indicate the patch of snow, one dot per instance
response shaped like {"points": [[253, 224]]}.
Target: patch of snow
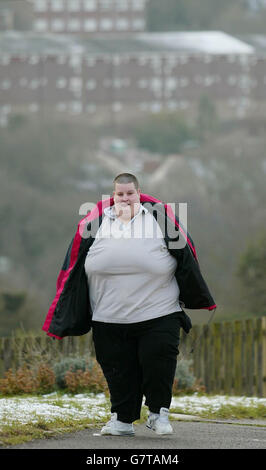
{"points": [[52, 406], [49, 407], [195, 403]]}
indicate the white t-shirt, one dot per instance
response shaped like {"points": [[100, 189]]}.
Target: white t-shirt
{"points": [[130, 271]]}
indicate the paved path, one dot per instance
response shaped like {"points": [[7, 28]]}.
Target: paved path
{"points": [[196, 434]]}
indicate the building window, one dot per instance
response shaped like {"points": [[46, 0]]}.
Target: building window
{"points": [[105, 4], [156, 62], [90, 5], [138, 5], [57, 25], [5, 84], [57, 5], [61, 59], [91, 108], [244, 82], [138, 24], [91, 85], [40, 5], [183, 104], [143, 83], [232, 80], [143, 106], [185, 81], [75, 107], [61, 107], [122, 5], [155, 107], [122, 24], [74, 25], [90, 61], [61, 82], [156, 84], [170, 84], [172, 105], [142, 60], [116, 107], [73, 5], [90, 25], [106, 24], [117, 83], [4, 60], [41, 25], [34, 59], [75, 60], [33, 107], [75, 84], [34, 84]]}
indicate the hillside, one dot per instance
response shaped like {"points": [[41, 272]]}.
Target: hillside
{"points": [[49, 170]]}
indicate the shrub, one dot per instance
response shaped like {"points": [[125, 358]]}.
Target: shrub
{"points": [[72, 374], [45, 378], [26, 380], [67, 364], [185, 381], [8, 385], [92, 380]]}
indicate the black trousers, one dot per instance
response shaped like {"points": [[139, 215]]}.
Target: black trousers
{"points": [[138, 359]]}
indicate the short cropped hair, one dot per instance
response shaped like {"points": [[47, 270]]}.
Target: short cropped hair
{"points": [[126, 178]]}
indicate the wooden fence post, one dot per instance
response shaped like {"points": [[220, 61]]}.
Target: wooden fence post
{"points": [[238, 359], [211, 365], [217, 357], [259, 361], [206, 356], [249, 356], [228, 338], [264, 357]]}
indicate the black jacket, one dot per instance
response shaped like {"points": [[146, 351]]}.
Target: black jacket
{"points": [[70, 312]]}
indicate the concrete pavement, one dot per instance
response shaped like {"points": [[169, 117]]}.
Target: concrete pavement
{"points": [[190, 432]]}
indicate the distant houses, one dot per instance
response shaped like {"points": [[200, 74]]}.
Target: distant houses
{"points": [[114, 67]]}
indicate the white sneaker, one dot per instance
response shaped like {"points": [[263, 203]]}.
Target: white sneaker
{"points": [[115, 427], [160, 422]]}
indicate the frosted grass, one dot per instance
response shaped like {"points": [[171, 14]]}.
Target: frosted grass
{"points": [[48, 408]]}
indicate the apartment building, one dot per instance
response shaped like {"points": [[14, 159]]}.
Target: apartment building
{"points": [[144, 73], [89, 16]]}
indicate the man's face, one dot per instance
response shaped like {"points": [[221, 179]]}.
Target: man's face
{"points": [[126, 197]]}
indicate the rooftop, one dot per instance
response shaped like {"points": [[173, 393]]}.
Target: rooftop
{"points": [[203, 42]]}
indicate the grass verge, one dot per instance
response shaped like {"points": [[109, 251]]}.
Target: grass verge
{"points": [[16, 433], [226, 412]]}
